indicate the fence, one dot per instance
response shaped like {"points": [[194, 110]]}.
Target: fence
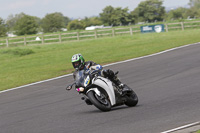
{"points": [[83, 35]]}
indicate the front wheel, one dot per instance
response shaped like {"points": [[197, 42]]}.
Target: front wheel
{"points": [[101, 102]]}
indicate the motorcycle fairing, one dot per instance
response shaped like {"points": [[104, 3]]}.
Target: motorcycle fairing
{"points": [[105, 84]]}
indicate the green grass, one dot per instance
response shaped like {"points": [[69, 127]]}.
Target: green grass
{"points": [[27, 64], [198, 131]]}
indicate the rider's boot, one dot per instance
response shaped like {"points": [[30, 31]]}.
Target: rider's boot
{"points": [[113, 77], [117, 82], [87, 101]]}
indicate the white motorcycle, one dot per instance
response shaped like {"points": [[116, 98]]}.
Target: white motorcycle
{"points": [[101, 92]]}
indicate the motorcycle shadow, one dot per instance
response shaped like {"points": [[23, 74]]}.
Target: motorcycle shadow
{"points": [[117, 108]]}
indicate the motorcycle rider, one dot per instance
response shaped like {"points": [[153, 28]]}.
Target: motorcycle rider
{"points": [[79, 63]]}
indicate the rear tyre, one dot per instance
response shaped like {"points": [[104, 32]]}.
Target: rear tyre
{"points": [[101, 102], [131, 99]]}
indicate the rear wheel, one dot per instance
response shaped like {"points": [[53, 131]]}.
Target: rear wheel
{"points": [[101, 102], [131, 99]]}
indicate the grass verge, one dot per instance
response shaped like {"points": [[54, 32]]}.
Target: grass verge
{"points": [[197, 131], [23, 65]]}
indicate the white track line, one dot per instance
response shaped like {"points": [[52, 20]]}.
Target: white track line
{"points": [[182, 127], [103, 66], [36, 83]]}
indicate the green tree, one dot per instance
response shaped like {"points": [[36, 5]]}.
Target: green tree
{"points": [[179, 13], [3, 28], [53, 22], [125, 16], [66, 20], [107, 14], [76, 25], [194, 10], [92, 21], [194, 3], [149, 10], [12, 19], [115, 16], [26, 25]]}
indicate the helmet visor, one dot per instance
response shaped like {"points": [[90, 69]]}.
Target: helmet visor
{"points": [[76, 64]]}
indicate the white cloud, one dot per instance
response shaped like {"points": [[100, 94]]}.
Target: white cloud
{"points": [[21, 4], [46, 1], [71, 8]]}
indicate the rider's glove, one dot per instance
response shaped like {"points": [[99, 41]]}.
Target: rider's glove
{"points": [[90, 70], [93, 68], [69, 87]]}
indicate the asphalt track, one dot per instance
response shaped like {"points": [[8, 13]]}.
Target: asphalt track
{"points": [[168, 87]]}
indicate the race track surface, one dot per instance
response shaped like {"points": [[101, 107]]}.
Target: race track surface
{"points": [[168, 87]]}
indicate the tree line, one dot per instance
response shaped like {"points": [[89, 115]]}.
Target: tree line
{"points": [[147, 11]]}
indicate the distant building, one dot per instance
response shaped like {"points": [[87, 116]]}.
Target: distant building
{"points": [[63, 29], [97, 27], [11, 34]]}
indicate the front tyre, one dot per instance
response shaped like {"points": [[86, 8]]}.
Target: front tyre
{"points": [[101, 102]]}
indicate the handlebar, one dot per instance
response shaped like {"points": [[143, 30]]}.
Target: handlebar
{"points": [[69, 87]]}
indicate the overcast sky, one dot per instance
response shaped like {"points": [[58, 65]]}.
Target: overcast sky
{"points": [[71, 8]]}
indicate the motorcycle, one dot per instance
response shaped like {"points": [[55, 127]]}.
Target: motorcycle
{"points": [[101, 92]]}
